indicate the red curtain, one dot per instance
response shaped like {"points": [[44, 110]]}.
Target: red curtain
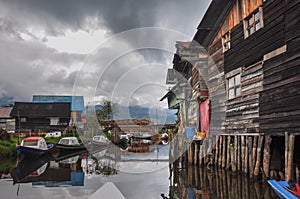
{"points": [[205, 116]]}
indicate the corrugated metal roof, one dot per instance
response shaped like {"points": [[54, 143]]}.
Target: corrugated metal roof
{"points": [[5, 112], [77, 102]]}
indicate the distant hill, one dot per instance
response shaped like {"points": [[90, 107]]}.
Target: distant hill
{"points": [[162, 116], [6, 101]]}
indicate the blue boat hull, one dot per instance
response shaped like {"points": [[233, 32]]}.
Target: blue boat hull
{"points": [[32, 152], [280, 189]]}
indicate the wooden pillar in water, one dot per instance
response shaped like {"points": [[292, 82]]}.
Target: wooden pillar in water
{"points": [[267, 154], [250, 145], [233, 155], [190, 153], [224, 147], [200, 155], [290, 158], [238, 158], [196, 153], [220, 152], [254, 150], [246, 159], [258, 156], [228, 146], [242, 153], [205, 158], [217, 151], [286, 153], [236, 152]]}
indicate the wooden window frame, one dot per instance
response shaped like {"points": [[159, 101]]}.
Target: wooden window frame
{"points": [[254, 22], [226, 41], [234, 87]]}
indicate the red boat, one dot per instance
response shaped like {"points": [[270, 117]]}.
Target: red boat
{"points": [[34, 146]]}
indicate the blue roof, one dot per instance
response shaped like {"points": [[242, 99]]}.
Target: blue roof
{"points": [[77, 102]]}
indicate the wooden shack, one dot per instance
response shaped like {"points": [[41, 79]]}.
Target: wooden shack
{"points": [[41, 117], [252, 75]]}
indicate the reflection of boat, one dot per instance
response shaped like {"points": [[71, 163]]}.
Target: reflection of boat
{"points": [[39, 171], [34, 146], [28, 167], [142, 137], [70, 160], [283, 189]]}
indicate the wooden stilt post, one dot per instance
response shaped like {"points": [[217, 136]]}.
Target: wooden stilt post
{"points": [[196, 154], [238, 153], [200, 156], [190, 154], [205, 158], [217, 151], [290, 159], [243, 153], [250, 143], [258, 159], [228, 152], [233, 156], [267, 153], [246, 159], [254, 150], [224, 147], [220, 152], [286, 152]]}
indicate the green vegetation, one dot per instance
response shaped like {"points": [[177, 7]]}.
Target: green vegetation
{"points": [[107, 112], [7, 148]]}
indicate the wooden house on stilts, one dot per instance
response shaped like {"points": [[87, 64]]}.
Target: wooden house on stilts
{"points": [[248, 67]]}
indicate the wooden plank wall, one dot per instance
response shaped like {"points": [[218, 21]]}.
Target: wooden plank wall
{"points": [[242, 113], [245, 52], [279, 102], [216, 86]]}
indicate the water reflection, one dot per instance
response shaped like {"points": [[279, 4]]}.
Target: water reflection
{"points": [[187, 182]]}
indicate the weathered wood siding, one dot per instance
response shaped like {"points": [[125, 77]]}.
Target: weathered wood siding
{"points": [[279, 101], [242, 112], [216, 86], [245, 52]]}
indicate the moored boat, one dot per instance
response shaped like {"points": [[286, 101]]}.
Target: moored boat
{"points": [[284, 190], [34, 146], [69, 145]]}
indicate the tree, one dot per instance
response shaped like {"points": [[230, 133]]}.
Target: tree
{"points": [[107, 112]]}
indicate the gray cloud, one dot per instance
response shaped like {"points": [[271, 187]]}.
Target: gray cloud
{"points": [[115, 15], [30, 67]]}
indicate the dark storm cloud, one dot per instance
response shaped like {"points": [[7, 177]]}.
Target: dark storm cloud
{"points": [[115, 15]]}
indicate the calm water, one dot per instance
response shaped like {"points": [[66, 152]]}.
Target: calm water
{"points": [[137, 175]]}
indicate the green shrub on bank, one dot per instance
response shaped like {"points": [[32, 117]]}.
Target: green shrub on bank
{"points": [[7, 149]]}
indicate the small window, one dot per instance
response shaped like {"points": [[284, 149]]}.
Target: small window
{"points": [[253, 22], [234, 86], [54, 121], [226, 41], [23, 119]]}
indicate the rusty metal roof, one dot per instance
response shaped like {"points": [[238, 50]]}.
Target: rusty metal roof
{"points": [[5, 112]]}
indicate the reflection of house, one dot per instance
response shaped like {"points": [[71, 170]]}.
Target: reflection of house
{"points": [[6, 121], [41, 117], [77, 104]]}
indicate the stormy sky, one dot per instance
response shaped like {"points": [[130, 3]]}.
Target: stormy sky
{"points": [[95, 48]]}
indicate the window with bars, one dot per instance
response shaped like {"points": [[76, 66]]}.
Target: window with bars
{"points": [[226, 41], [253, 22], [234, 86]]}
